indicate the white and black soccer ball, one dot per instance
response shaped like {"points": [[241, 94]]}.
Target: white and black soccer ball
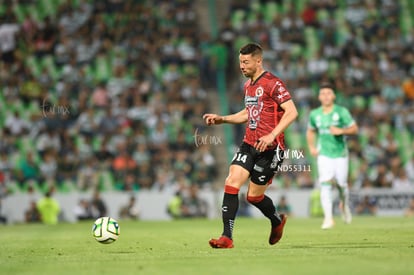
{"points": [[106, 230]]}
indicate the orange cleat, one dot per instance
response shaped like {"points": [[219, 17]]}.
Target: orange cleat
{"points": [[222, 242], [277, 232]]}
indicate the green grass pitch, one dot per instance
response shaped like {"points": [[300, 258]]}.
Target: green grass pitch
{"points": [[370, 245]]}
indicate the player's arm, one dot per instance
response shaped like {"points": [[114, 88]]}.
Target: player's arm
{"points": [[237, 118], [288, 117], [351, 130], [290, 114], [311, 140]]}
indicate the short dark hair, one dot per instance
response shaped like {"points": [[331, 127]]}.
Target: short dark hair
{"points": [[251, 48], [327, 85]]}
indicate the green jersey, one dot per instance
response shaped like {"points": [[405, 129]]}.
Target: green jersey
{"points": [[328, 144]]}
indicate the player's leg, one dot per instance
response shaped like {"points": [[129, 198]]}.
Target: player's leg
{"points": [[326, 176], [256, 196], [261, 177], [237, 176], [341, 176]]}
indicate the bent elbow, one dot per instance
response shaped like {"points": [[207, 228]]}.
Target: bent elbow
{"points": [[295, 114]]}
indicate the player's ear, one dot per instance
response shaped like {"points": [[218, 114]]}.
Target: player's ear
{"points": [[258, 60]]}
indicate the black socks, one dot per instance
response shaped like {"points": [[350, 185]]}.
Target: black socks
{"points": [[229, 211]]}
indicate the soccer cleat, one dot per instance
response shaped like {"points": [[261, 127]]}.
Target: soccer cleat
{"points": [[328, 224], [345, 212], [222, 242], [277, 232]]}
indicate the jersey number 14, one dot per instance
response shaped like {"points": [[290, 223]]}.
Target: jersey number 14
{"points": [[240, 157]]}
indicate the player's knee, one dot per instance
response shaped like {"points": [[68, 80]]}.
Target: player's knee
{"points": [[255, 199], [233, 181], [231, 186]]}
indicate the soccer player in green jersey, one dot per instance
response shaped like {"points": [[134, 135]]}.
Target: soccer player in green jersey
{"points": [[326, 137]]}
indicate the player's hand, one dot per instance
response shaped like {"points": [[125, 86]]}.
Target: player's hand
{"points": [[336, 131], [264, 142], [314, 152], [212, 119]]}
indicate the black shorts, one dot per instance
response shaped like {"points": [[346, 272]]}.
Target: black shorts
{"points": [[261, 165]]}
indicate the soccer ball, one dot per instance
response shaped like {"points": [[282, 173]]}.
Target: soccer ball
{"points": [[106, 230]]}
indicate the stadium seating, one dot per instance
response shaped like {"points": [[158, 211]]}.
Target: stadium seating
{"points": [[101, 70]]}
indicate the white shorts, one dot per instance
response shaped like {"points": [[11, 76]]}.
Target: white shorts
{"points": [[333, 168]]}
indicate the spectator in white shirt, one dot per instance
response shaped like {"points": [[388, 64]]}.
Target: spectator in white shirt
{"points": [[16, 125], [48, 140], [401, 181], [8, 32]]}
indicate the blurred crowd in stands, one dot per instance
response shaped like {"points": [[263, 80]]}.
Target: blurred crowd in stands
{"points": [[108, 94], [101, 95]]}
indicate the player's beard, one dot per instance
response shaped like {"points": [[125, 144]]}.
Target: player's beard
{"points": [[248, 74]]}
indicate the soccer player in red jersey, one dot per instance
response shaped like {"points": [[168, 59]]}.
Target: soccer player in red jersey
{"points": [[268, 111]]}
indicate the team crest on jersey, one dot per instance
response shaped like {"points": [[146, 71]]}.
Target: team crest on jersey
{"points": [[335, 119], [259, 91]]}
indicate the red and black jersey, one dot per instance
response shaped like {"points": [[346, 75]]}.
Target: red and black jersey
{"points": [[263, 98]]}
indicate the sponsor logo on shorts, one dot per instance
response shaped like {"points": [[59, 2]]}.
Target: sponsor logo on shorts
{"points": [[258, 168]]}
